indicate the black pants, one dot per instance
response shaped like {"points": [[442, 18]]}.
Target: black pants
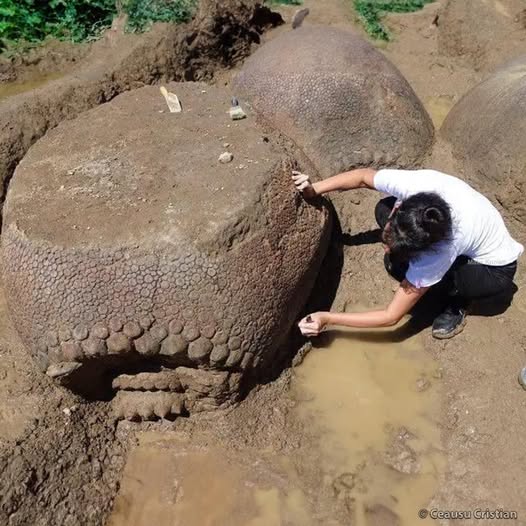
{"points": [[466, 279]]}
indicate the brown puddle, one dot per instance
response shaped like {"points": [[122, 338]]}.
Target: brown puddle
{"points": [[376, 403], [15, 88], [438, 108], [166, 482], [359, 392]]}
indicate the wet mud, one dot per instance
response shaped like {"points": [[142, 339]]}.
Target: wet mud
{"points": [[372, 409]]}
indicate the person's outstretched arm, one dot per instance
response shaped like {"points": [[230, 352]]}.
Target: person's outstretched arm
{"points": [[404, 300], [359, 178]]}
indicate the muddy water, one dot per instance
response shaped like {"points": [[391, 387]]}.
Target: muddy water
{"points": [[371, 401], [376, 403], [167, 482], [438, 107], [15, 88]]}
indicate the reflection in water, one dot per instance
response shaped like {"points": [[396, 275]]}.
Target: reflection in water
{"points": [[167, 482], [15, 88], [374, 397]]}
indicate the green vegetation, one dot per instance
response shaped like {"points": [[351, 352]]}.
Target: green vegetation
{"points": [[142, 13], [34, 20], [371, 12], [79, 20]]}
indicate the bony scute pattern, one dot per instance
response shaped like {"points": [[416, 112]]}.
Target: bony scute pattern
{"points": [[491, 147], [195, 335], [166, 295], [338, 98]]}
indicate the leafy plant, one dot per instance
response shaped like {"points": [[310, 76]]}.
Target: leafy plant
{"points": [[372, 11], [142, 13], [34, 20], [23, 21], [18, 19], [81, 19]]}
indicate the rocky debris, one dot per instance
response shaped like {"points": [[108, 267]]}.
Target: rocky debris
{"points": [[226, 157], [236, 111], [69, 410], [422, 384], [438, 373], [344, 483], [64, 470], [401, 457], [404, 434], [299, 17]]}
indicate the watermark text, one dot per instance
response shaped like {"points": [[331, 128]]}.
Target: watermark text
{"points": [[477, 514]]}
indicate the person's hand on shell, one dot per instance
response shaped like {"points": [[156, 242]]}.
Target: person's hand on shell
{"points": [[313, 324], [303, 184]]}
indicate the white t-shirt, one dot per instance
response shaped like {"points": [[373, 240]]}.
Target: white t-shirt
{"points": [[479, 231]]}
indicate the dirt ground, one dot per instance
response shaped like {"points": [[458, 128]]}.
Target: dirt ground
{"points": [[220, 34], [61, 458], [54, 57]]}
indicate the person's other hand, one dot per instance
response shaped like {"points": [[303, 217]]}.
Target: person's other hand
{"points": [[303, 184], [313, 324]]}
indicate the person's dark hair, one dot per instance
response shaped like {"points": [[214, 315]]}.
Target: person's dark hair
{"points": [[420, 222]]}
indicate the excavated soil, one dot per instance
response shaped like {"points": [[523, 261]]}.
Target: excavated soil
{"points": [[52, 58], [61, 459], [220, 34]]}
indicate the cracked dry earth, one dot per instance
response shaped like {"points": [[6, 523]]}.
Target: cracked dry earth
{"points": [[304, 448]]}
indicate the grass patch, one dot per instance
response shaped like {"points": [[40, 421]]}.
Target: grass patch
{"points": [[371, 12], [142, 13], [32, 21]]}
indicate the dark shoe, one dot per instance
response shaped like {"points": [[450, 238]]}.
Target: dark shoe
{"points": [[450, 323]]}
